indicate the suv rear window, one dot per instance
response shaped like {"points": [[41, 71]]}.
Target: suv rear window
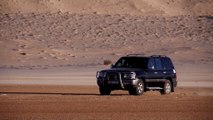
{"points": [[167, 64]]}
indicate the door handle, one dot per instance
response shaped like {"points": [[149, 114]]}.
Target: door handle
{"points": [[156, 72], [164, 72]]}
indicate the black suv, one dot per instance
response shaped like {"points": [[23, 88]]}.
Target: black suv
{"points": [[137, 74]]}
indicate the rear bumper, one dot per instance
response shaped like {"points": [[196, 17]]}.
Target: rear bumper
{"points": [[174, 81]]}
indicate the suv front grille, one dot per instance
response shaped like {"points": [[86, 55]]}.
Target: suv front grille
{"points": [[112, 76]]}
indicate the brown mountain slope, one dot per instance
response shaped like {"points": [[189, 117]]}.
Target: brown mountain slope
{"points": [[72, 39], [35, 33], [132, 7]]}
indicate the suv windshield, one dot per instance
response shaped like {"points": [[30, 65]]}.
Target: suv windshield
{"points": [[132, 62]]}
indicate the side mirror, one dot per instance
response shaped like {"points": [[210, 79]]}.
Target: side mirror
{"points": [[112, 65]]}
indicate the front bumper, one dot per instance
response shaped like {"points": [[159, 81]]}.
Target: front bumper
{"points": [[115, 81]]}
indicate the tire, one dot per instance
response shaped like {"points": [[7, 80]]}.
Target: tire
{"points": [[104, 91], [167, 88], [138, 90]]}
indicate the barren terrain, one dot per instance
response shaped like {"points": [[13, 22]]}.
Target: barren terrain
{"points": [[33, 35], [78, 102], [50, 51], [54, 40]]}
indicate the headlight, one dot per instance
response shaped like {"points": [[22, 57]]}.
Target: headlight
{"points": [[100, 74], [131, 75]]}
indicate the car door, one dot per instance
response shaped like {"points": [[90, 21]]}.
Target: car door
{"points": [[151, 73], [154, 72], [159, 69]]}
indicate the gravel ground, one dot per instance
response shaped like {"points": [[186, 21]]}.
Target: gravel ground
{"points": [[84, 102]]}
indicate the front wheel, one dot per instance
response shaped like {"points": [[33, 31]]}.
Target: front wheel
{"points": [[138, 90], [104, 91], [167, 88]]}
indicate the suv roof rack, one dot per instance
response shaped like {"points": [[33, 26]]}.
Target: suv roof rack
{"points": [[158, 56], [135, 55], [142, 55]]}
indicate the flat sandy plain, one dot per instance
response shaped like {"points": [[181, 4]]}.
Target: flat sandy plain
{"points": [[72, 93], [84, 102]]}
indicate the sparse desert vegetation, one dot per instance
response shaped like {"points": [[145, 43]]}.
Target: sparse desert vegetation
{"points": [[72, 39]]}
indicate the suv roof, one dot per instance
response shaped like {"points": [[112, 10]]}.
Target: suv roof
{"points": [[142, 55]]}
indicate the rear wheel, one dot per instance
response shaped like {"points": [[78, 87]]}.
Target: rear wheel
{"points": [[167, 88], [104, 91], [138, 90]]}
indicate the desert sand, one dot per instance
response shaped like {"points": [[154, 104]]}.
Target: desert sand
{"points": [[84, 102], [50, 51]]}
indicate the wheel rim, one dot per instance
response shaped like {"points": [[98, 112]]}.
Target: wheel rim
{"points": [[140, 88], [168, 88]]}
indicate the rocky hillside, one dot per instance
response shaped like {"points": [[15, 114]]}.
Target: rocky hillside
{"points": [[72, 39], [45, 33], [130, 7]]}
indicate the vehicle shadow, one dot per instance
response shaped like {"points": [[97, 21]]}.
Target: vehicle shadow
{"points": [[51, 93], [59, 93]]}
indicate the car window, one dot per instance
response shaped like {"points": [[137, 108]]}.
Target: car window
{"points": [[167, 64], [132, 62], [151, 64], [120, 63], [158, 64]]}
